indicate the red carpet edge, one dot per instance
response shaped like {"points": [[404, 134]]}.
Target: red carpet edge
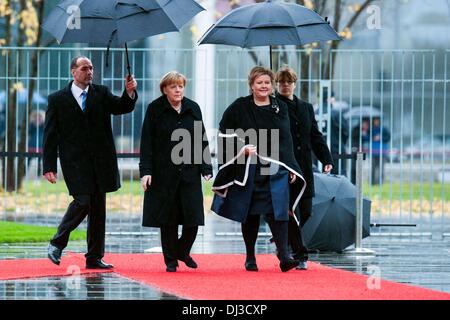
{"points": [[223, 277]]}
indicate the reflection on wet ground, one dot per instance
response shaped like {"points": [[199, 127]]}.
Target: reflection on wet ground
{"points": [[421, 259], [86, 287]]}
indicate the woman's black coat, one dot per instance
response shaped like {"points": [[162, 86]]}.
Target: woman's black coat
{"points": [[234, 181], [306, 137], [160, 122]]}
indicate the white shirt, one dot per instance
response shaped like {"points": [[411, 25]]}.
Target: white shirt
{"points": [[77, 91]]}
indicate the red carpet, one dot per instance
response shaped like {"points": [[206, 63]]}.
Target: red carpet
{"points": [[222, 277], [36, 268]]}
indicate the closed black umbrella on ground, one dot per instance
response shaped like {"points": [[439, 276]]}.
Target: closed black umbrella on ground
{"points": [[332, 224], [270, 23], [116, 22]]}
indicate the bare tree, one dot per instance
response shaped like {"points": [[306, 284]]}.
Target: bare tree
{"points": [[334, 9], [22, 20]]}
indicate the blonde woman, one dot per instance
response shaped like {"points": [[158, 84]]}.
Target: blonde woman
{"points": [[253, 181], [173, 188]]}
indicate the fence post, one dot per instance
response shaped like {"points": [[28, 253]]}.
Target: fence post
{"points": [[359, 200], [359, 208]]}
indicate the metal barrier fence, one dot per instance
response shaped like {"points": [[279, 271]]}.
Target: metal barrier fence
{"points": [[407, 176]]}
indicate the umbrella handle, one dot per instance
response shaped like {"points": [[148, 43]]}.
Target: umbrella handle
{"points": [[128, 60]]}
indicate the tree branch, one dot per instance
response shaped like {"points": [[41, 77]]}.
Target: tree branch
{"points": [[337, 15], [321, 8], [357, 14]]}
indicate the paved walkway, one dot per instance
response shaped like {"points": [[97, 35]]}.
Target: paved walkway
{"points": [[420, 259]]}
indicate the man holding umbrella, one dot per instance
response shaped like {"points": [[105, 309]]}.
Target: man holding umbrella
{"points": [[78, 128]]}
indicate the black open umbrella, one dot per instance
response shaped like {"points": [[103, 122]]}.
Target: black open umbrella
{"points": [[270, 23], [116, 22], [331, 226]]}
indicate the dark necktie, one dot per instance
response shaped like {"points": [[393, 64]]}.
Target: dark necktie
{"points": [[83, 100]]}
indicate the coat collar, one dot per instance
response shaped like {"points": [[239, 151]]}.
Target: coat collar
{"points": [[187, 107], [297, 108], [73, 102], [70, 98]]}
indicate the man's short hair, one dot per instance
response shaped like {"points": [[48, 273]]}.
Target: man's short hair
{"points": [[74, 62]]}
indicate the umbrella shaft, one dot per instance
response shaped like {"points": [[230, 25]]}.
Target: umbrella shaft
{"points": [[359, 200], [128, 60], [270, 56]]}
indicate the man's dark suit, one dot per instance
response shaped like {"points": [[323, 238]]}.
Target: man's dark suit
{"points": [[85, 144]]}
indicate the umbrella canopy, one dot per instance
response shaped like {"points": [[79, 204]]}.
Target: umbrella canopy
{"points": [[332, 224], [363, 112], [270, 23], [115, 22], [341, 106]]}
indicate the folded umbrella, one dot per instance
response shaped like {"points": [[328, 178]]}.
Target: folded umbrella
{"points": [[331, 226]]}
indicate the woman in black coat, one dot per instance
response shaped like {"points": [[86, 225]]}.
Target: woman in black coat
{"points": [[256, 164], [306, 137], [174, 155]]}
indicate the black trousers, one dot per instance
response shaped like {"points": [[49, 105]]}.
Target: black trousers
{"points": [[174, 248], [296, 241], [279, 231], [94, 207]]}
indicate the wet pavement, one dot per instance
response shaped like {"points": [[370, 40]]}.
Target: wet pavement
{"points": [[106, 286], [417, 258]]}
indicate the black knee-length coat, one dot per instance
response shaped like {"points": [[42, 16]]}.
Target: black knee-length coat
{"points": [[175, 195], [306, 138], [233, 184], [84, 140]]}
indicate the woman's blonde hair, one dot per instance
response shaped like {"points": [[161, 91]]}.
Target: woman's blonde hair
{"points": [[260, 71], [286, 74], [171, 78]]}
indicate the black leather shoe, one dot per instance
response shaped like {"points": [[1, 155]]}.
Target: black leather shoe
{"points": [[250, 265], [300, 257], [171, 269], [189, 262], [98, 264], [287, 265], [54, 254]]}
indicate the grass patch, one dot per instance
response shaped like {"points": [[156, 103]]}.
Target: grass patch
{"points": [[207, 192], [42, 197], [12, 232], [407, 191], [128, 187]]}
